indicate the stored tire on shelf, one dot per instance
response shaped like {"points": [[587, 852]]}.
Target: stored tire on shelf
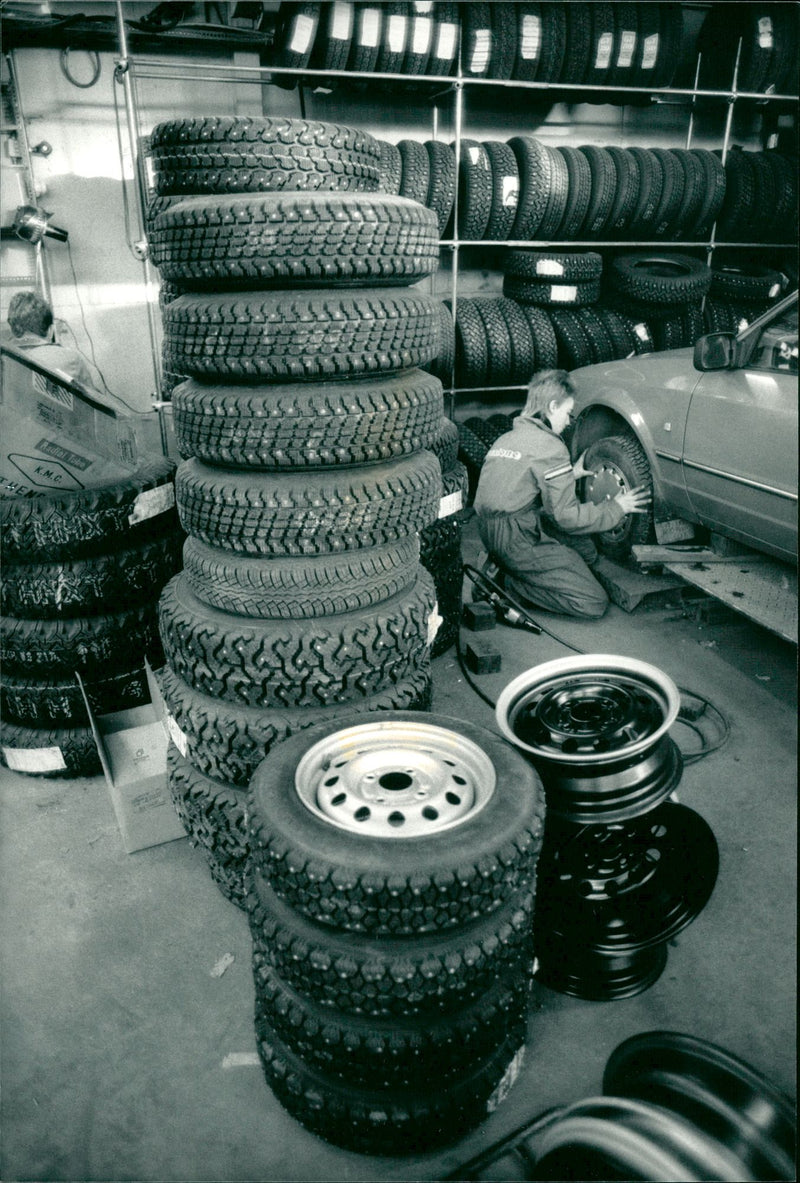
{"points": [[784, 183], [58, 702], [679, 330], [300, 336], [604, 183], [319, 425], [713, 190], [74, 523], [574, 347], [475, 190], [551, 266], [669, 44], [298, 588], [476, 40], [44, 751], [529, 41], [393, 39], [334, 34], [420, 39], [390, 168], [442, 184], [295, 240], [719, 35], [295, 31], [651, 184], [668, 278], [579, 192], [619, 464], [422, 974], [416, 171], [47, 648], [575, 66], [367, 30], [505, 190], [227, 741], [620, 331], [315, 661], [523, 356], [81, 587], [693, 196], [498, 340], [648, 50], [602, 46], [482, 428], [554, 42], [551, 295], [600, 341], [228, 154], [543, 336], [557, 197], [534, 164], [444, 50], [626, 191], [472, 360], [622, 71], [445, 444], [504, 40], [740, 191], [665, 217], [308, 512]]}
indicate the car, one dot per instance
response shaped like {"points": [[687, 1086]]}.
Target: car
{"points": [[711, 430]]}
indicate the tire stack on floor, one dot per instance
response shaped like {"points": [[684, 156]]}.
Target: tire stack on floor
{"points": [[305, 426], [82, 572], [394, 862]]}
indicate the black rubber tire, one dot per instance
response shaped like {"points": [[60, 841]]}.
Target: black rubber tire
{"points": [[620, 331], [598, 336], [169, 291], [602, 47], [475, 190], [670, 44], [442, 185], [680, 329], [535, 166], [622, 71], [366, 41], [523, 354], [648, 49], [416, 171], [604, 184], [472, 453], [665, 279], [80, 587], [626, 192], [234, 154], [394, 39], [441, 556], [554, 266], [627, 456], [551, 295], [390, 168], [529, 41], [300, 336], [446, 37], [46, 648], [693, 199], [396, 1054], [442, 365], [558, 196], [319, 425], [575, 66], [445, 446], [554, 42], [477, 48], [334, 36], [504, 40], [388, 1121], [651, 183], [296, 29], [296, 240], [740, 195], [305, 512], [574, 346], [472, 360], [420, 40], [714, 192], [405, 976], [665, 217], [505, 190], [74, 523], [228, 741], [579, 193], [50, 752], [543, 336], [745, 282], [58, 702], [498, 340]]}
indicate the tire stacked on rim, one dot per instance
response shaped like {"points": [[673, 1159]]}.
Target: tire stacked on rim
{"points": [[82, 573], [393, 882], [305, 426]]}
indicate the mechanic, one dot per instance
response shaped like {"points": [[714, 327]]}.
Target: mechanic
{"points": [[31, 321], [528, 514]]}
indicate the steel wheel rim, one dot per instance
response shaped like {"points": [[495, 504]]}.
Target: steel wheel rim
{"points": [[596, 976], [396, 780], [607, 482]]}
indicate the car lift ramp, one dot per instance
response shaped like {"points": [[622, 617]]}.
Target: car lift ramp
{"points": [[761, 588]]}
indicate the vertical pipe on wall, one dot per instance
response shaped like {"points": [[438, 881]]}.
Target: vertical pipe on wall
{"points": [[459, 115]]}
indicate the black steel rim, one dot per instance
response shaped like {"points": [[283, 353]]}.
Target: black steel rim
{"points": [[596, 977]]}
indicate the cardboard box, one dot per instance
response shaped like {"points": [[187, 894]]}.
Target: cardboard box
{"points": [[132, 745]]}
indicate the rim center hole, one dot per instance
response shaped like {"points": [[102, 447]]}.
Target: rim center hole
{"points": [[586, 711], [395, 781]]}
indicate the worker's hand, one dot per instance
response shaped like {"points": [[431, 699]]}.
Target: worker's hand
{"points": [[579, 468], [635, 500]]}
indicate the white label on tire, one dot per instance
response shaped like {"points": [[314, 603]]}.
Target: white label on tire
{"points": [[302, 34], [152, 502], [481, 51], [530, 37], [605, 44], [627, 47], [765, 32], [642, 332], [397, 33], [650, 51], [423, 6], [510, 192], [421, 35], [370, 27], [434, 622], [341, 26], [446, 45], [177, 736], [474, 154], [507, 1081], [34, 759], [452, 503], [549, 267], [564, 293], [773, 291]]}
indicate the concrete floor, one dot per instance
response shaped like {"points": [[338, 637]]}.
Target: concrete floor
{"points": [[125, 1055]]}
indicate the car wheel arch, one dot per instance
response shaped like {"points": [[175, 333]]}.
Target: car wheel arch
{"points": [[599, 420]]}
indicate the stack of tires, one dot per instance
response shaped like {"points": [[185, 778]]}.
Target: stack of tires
{"points": [[665, 290], [82, 572], [306, 425], [393, 883]]}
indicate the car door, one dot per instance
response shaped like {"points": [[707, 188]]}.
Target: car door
{"points": [[740, 443]]}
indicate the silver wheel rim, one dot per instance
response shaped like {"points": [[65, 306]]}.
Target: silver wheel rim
{"points": [[608, 481], [395, 780]]}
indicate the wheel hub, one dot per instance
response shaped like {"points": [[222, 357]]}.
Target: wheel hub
{"points": [[590, 714]]}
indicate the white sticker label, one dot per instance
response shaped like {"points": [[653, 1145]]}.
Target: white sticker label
{"points": [[773, 291], [742, 325], [397, 33], [642, 332], [176, 735], [34, 759], [481, 51], [152, 502], [474, 153], [341, 24], [549, 267], [304, 28], [370, 27], [506, 1083], [765, 32], [421, 34], [530, 38], [566, 293], [434, 621], [627, 46], [605, 44], [446, 45], [423, 6], [510, 192], [452, 503], [650, 51]]}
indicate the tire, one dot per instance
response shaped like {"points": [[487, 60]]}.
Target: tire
{"points": [[665, 217], [545, 266], [324, 425], [623, 458], [551, 295], [475, 190], [626, 40], [740, 191], [394, 39], [714, 191], [554, 42], [535, 171], [680, 330], [416, 171], [424, 974], [574, 346], [228, 741], [604, 183], [316, 661], [75, 523], [444, 51], [498, 340], [295, 33], [50, 752], [504, 40], [442, 186], [747, 282], [123, 578], [529, 42], [472, 361], [58, 702], [44, 649], [505, 190], [307, 513], [579, 44], [367, 30], [543, 336], [442, 365], [235, 154], [620, 332], [477, 45], [626, 192], [579, 192], [290, 240], [420, 41], [670, 44], [660, 279], [299, 336], [602, 46], [334, 36], [557, 198], [523, 355], [600, 341], [443, 560], [651, 183], [445, 445], [692, 201], [390, 168]]}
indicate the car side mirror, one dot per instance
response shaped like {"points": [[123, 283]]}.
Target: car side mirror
{"points": [[715, 351]]}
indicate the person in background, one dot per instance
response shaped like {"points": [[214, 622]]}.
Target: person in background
{"points": [[30, 319], [534, 528]]}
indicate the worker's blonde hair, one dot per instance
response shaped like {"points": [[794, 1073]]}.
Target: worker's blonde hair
{"points": [[543, 388]]}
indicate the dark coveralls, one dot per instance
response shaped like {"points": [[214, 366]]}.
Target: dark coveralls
{"points": [[525, 503]]}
